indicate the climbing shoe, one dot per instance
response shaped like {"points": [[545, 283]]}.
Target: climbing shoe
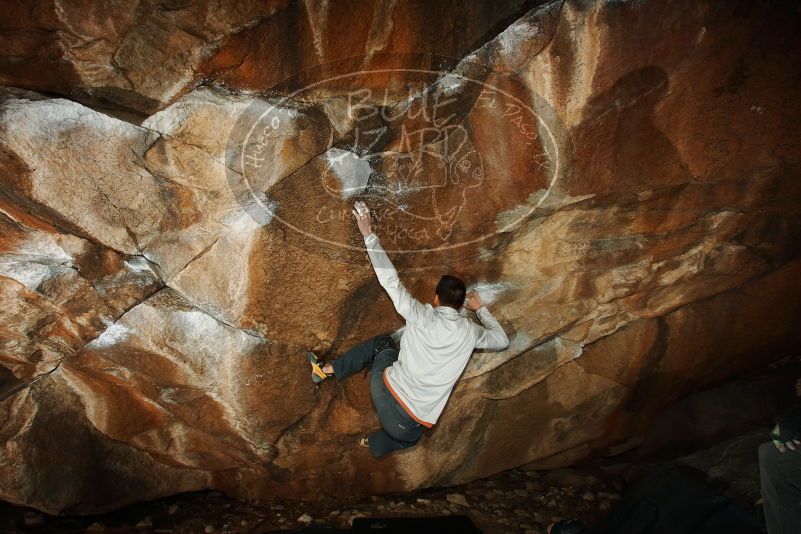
{"points": [[318, 375]]}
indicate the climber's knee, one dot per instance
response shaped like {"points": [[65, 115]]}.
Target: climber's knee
{"points": [[382, 343]]}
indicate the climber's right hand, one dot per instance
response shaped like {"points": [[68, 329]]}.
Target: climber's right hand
{"points": [[363, 220]]}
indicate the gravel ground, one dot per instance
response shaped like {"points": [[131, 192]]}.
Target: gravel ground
{"points": [[513, 501], [516, 501]]}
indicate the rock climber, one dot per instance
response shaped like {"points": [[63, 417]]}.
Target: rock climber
{"points": [[410, 385]]}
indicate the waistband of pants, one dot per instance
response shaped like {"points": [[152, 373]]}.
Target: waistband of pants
{"points": [[403, 404]]}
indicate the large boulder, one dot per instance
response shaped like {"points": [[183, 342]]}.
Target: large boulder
{"points": [[619, 181], [142, 55]]}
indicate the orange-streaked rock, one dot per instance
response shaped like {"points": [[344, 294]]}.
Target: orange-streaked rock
{"points": [[143, 56], [620, 182]]}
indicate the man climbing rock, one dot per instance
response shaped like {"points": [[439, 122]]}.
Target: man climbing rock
{"points": [[410, 386]]}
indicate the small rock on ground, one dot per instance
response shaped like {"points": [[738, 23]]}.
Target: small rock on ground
{"points": [[456, 498]]}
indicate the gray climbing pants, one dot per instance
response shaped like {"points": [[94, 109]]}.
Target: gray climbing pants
{"points": [[398, 429]]}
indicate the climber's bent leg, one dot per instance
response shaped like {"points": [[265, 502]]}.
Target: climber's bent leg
{"points": [[385, 353], [398, 429], [360, 357], [381, 443]]}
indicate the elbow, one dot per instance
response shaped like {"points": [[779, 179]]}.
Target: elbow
{"points": [[503, 343]]}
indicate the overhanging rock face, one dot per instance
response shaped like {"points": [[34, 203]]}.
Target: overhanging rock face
{"points": [[620, 181]]}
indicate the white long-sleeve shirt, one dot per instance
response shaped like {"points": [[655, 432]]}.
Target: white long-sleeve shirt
{"points": [[435, 347]]}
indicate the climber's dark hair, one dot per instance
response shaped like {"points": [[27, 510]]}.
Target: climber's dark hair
{"points": [[451, 291]]}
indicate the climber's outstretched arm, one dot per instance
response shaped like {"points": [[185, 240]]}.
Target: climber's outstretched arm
{"points": [[407, 306]]}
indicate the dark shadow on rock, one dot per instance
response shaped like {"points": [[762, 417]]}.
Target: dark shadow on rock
{"points": [[619, 144]]}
